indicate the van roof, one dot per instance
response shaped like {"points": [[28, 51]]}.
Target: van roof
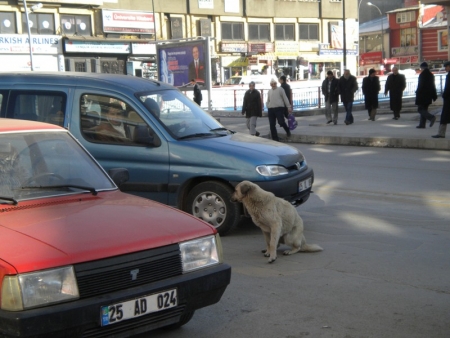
{"points": [[88, 79]]}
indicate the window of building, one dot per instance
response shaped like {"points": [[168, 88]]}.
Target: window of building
{"points": [[7, 23], [442, 40], [408, 37], [309, 31], [41, 23], [76, 25], [258, 31], [232, 31], [284, 32], [406, 17]]}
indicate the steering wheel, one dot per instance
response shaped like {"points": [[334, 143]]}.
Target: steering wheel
{"points": [[41, 176]]}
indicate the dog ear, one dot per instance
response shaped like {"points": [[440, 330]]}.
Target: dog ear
{"points": [[245, 188]]}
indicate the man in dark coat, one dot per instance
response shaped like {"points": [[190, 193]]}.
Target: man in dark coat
{"points": [[371, 88], [252, 108], [445, 115], [395, 85], [197, 92], [347, 89], [331, 92], [287, 91], [425, 95]]}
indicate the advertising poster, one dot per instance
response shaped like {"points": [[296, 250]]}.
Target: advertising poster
{"points": [[179, 63]]}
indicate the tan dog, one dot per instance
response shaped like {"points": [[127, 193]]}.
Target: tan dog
{"points": [[277, 218]]}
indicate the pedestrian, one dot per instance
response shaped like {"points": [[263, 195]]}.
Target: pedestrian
{"points": [[276, 102], [331, 92], [287, 91], [197, 92], [347, 89], [252, 108], [395, 85], [371, 88], [425, 95], [445, 115]]}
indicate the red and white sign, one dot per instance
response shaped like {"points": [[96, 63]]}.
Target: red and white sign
{"points": [[130, 22]]}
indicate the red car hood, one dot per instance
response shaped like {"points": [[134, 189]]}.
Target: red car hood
{"points": [[40, 234]]}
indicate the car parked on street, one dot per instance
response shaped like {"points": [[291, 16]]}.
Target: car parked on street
{"points": [[175, 152], [79, 258]]}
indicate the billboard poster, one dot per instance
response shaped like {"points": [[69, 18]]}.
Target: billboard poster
{"points": [[178, 63]]}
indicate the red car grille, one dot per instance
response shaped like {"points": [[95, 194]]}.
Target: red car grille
{"points": [[126, 271]]}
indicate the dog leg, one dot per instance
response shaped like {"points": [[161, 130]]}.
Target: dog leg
{"points": [[267, 238], [274, 237]]}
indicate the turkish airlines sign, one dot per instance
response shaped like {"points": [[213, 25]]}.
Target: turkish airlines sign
{"points": [[130, 22]]}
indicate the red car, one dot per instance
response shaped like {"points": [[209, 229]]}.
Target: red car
{"points": [[79, 258]]}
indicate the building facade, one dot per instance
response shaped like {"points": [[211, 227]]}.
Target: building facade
{"points": [[302, 39]]}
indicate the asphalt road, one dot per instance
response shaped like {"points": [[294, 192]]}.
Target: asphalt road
{"points": [[383, 219]]}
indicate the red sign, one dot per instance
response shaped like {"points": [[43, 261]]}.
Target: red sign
{"points": [[391, 61], [371, 58]]}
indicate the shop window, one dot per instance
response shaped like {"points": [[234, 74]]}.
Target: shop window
{"points": [[442, 40], [76, 25], [408, 37], [7, 23], [309, 31], [232, 31], [284, 32], [258, 32], [41, 23]]}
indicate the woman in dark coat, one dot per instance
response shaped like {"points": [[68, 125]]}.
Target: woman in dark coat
{"points": [[252, 108], [445, 115], [395, 85], [371, 88]]}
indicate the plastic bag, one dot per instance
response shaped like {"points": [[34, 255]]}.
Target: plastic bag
{"points": [[292, 123]]}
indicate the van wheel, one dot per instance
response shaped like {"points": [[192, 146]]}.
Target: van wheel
{"points": [[210, 201]]}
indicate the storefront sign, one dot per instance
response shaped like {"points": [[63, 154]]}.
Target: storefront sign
{"points": [[19, 44], [324, 49], [234, 47], [209, 4], [75, 46], [253, 61], [396, 51], [128, 22], [260, 47], [12, 63], [286, 47], [143, 48]]}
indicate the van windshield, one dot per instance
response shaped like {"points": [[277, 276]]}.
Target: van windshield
{"points": [[179, 115]]}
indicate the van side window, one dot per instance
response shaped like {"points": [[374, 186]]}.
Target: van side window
{"points": [[106, 119], [37, 106]]}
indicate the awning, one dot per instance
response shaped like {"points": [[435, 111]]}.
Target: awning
{"points": [[240, 62]]}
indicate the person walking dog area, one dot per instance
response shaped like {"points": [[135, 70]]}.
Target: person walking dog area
{"points": [[371, 88], [276, 103], [252, 108], [347, 89], [331, 92], [445, 115], [395, 85], [425, 95]]}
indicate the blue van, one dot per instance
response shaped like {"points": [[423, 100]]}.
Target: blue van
{"points": [[175, 152]]}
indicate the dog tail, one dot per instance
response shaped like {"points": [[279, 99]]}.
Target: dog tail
{"points": [[310, 248]]}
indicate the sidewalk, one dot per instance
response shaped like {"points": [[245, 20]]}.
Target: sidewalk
{"points": [[383, 132]]}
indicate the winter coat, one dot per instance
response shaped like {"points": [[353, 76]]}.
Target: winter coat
{"points": [[348, 88], [287, 91], [426, 89], [371, 88], [252, 104], [395, 85], [334, 90], [445, 115]]}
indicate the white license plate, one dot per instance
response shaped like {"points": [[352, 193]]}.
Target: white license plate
{"points": [[113, 314], [303, 185]]}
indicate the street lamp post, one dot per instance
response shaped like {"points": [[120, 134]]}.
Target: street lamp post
{"points": [[30, 43], [382, 30]]}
